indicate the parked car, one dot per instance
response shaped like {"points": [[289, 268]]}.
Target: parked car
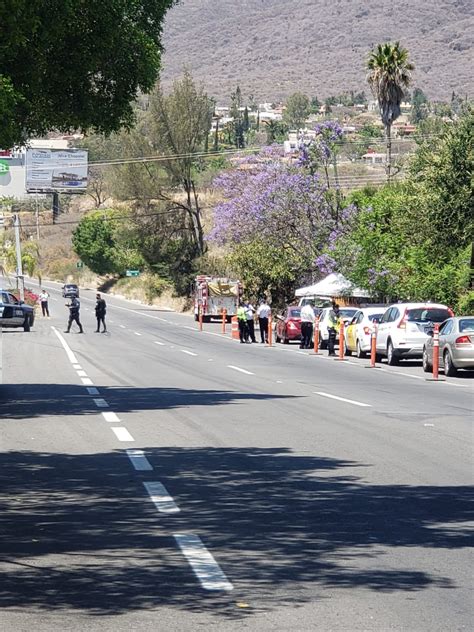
{"points": [[358, 333], [70, 290], [456, 346], [346, 313], [14, 313], [404, 328], [288, 325]]}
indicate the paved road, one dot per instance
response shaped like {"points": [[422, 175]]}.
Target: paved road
{"points": [[161, 478]]}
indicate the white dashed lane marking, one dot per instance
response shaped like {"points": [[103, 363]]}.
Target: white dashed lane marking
{"points": [[111, 417], [160, 497], [205, 567], [139, 460], [122, 434], [87, 381], [82, 373], [343, 399], [123, 326], [237, 368], [137, 333], [188, 352], [157, 342]]}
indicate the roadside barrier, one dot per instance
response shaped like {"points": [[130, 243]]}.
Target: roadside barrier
{"points": [[234, 328], [269, 331], [224, 318], [373, 346], [316, 336], [435, 376], [341, 357]]}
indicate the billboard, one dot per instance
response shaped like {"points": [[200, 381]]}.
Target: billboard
{"points": [[51, 170]]}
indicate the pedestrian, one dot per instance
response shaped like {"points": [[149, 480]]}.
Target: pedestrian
{"points": [[242, 320], [44, 298], [250, 312], [307, 322], [74, 309], [100, 310], [334, 319], [263, 312]]}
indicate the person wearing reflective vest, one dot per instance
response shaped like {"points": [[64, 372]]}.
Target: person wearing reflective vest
{"points": [[334, 319], [242, 320]]}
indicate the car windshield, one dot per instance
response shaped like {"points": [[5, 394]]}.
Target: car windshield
{"points": [[294, 313], [374, 316], [347, 313], [70, 287], [466, 325], [428, 314]]}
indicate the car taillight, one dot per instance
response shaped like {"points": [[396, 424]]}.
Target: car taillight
{"points": [[450, 312], [462, 340], [403, 323]]}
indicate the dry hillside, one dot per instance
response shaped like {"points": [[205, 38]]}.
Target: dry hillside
{"points": [[275, 47]]}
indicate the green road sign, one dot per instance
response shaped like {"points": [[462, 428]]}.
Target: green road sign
{"points": [[132, 273], [79, 264], [4, 167]]}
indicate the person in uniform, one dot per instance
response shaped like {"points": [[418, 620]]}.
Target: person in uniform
{"points": [[100, 310], [263, 312], [333, 326], [74, 309], [307, 322]]}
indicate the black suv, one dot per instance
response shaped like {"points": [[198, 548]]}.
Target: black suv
{"points": [[13, 313], [70, 290]]}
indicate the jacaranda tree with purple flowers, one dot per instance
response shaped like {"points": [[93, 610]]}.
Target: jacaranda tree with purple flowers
{"points": [[287, 206]]}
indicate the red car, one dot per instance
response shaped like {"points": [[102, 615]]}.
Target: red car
{"points": [[288, 325]]}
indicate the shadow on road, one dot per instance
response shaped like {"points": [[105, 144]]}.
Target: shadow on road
{"points": [[79, 532], [27, 401]]}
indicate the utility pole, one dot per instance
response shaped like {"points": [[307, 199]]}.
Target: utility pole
{"points": [[19, 268]]}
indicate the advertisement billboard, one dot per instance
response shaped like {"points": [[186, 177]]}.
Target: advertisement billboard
{"points": [[61, 170]]}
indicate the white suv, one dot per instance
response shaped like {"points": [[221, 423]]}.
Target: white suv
{"points": [[404, 329]]}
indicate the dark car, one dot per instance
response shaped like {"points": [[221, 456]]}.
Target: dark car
{"points": [[288, 325], [70, 290], [14, 313]]}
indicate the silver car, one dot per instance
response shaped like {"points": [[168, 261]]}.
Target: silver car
{"points": [[456, 346]]}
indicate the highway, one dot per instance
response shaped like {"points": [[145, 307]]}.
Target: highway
{"points": [[161, 478]]}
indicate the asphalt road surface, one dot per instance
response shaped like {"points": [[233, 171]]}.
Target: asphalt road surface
{"points": [[161, 478]]}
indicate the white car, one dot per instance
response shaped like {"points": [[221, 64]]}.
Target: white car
{"points": [[346, 313], [404, 329], [358, 333]]}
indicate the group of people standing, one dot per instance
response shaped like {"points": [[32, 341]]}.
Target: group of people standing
{"points": [[246, 319], [74, 311], [308, 319]]}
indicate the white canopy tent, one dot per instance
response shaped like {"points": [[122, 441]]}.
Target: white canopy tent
{"points": [[333, 285]]}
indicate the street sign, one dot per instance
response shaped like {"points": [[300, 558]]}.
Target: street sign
{"points": [[79, 264], [132, 273], [4, 167]]}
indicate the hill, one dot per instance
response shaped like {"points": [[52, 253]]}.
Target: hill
{"points": [[275, 47]]}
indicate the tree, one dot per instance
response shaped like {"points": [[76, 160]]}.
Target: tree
{"points": [[419, 106], [236, 114], [75, 65], [297, 110], [94, 242], [178, 125], [389, 78]]}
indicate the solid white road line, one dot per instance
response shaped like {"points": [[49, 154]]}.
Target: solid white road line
{"points": [[188, 352], [160, 497], [87, 381], [139, 460], [122, 434], [101, 403], [111, 417], [66, 347], [82, 373], [343, 399], [237, 368], [205, 567], [92, 390], [157, 342]]}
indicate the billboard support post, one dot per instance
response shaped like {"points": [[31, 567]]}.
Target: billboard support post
{"points": [[19, 267], [55, 206]]}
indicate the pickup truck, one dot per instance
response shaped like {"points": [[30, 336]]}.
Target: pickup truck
{"points": [[14, 313]]}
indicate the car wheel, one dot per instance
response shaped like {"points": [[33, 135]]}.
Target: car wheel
{"points": [[427, 367], [392, 356], [449, 368], [347, 352], [285, 341], [26, 324], [359, 353]]}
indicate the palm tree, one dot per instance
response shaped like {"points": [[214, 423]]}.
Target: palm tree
{"points": [[389, 77]]}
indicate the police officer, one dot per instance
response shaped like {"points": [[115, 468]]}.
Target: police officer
{"points": [[263, 312], [250, 311], [100, 309], [333, 325], [307, 322], [74, 309], [242, 320]]}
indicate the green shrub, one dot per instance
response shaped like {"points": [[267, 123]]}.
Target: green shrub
{"points": [[465, 306]]}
